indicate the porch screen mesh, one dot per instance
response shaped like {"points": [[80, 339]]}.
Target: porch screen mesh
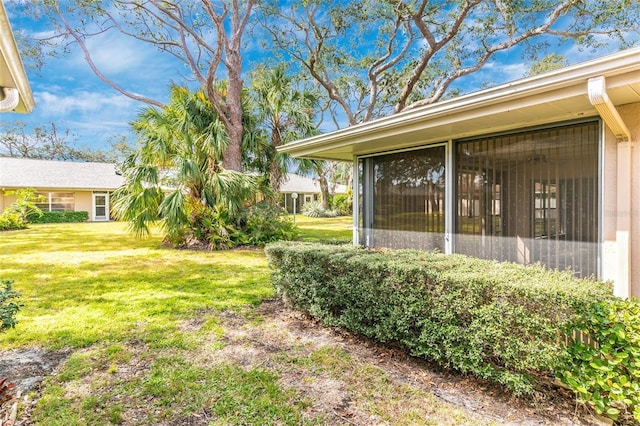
{"points": [[530, 197], [408, 199]]}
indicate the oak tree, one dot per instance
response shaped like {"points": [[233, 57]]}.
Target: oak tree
{"points": [[373, 58], [205, 35]]}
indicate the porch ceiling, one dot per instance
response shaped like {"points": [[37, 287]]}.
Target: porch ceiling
{"points": [[547, 98]]}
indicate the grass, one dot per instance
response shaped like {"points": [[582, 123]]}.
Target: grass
{"points": [[136, 316], [92, 282], [323, 229]]}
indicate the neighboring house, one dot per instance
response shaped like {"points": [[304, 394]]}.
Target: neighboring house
{"points": [[15, 93], [544, 169], [64, 185], [307, 188]]}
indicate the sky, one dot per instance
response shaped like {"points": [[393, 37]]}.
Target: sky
{"points": [[69, 94]]}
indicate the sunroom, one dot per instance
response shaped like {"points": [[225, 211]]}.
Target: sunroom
{"points": [[540, 170]]}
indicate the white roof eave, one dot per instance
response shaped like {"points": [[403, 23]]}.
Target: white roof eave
{"points": [[554, 96], [12, 73]]}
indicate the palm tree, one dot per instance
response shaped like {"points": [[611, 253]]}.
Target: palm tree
{"points": [[285, 113], [176, 175]]}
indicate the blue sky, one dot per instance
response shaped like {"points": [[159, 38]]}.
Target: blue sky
{"points": [[68, 93]]}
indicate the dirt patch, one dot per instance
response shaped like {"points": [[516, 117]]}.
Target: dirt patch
{"points": [[28, 367], [346, 379], [283, 330]]}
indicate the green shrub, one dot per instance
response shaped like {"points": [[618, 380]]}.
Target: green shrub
{"points": [[265, 223], [606, 375], [498, 321], [9, 305], [59, 217], [10, 220], [16, 215], [216, 229], [315, 209], [312, 209], [208, 227], [342, 203]]}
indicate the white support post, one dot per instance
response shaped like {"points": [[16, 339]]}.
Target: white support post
{"points": [[355, 184], [449, 205]]}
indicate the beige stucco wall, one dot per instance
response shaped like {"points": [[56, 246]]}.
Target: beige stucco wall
{"points": [[621, 226], [5, 199], [83, 199]]}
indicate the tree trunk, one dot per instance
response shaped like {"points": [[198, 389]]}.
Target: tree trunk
{"points": [[233, 154], [276, 179], [324, 191], [276, 174]]}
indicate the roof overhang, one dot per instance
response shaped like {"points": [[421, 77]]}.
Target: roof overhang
{"points": [[546, 98], [12, 73]]}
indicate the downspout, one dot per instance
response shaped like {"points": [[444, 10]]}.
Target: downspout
{"points": [[11, 99], [609, 114]]}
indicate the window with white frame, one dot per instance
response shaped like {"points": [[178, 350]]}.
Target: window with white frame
{"points": [[56, 201]]}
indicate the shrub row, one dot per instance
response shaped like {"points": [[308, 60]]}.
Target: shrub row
{"points": [[59, 217], [498, 321]]}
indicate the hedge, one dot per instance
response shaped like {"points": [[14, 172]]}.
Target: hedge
{"points": [[59, 217], [499, 321]]}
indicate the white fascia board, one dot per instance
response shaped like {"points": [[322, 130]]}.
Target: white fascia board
{"points": [[11, 61], [555, 86]]}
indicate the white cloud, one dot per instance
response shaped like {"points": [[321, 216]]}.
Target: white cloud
{"points": [[116, 54], [93, 117], [81, 102], [503, 71]]}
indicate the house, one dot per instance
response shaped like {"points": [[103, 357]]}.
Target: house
{"points": [[307, 190], [64, 185], [545, 169], [15, 93]]}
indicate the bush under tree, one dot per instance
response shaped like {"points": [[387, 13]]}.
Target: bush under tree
{"points": [[315, 209], [18, 214], [176, 179]]}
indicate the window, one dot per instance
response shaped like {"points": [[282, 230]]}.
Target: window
{"points": [[56, 201]]}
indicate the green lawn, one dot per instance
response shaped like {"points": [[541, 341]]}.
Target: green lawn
{"points": [[90, 282], [144, 329], [329, 228]]}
